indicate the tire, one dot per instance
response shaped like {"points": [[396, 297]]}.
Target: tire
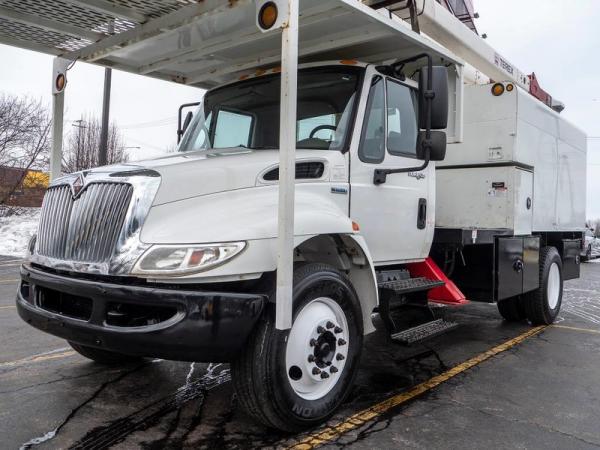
{"points": [[512, 309], [273, 380], [543, 304], [103, 356]]}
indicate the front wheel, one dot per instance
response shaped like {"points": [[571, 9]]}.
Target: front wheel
{"points": [[294, 379]]}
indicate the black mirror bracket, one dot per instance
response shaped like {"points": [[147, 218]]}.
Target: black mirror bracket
{"points": [[380, 175], [180, 128]]}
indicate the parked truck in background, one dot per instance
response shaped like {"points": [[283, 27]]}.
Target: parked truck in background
{"points": [[176, 257]]}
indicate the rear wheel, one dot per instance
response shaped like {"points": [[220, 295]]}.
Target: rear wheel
{"points": [[103, 356], [295, 379], [543, 304], [512, 309]]}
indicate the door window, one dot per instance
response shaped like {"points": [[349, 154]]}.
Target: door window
{"points": [[401, 120], [372, 140], [232, 130]]}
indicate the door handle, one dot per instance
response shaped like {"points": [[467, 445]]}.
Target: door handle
{"points": [[422, 214]]}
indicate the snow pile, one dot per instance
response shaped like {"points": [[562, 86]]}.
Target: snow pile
{"points": [[16, 230]]}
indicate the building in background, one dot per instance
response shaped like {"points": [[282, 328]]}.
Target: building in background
{"points": [[22, 187]]}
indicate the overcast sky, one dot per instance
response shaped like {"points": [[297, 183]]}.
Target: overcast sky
{"points": [[558, 40]]}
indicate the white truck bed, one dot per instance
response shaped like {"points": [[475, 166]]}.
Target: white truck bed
{"points": [[514, 147]]}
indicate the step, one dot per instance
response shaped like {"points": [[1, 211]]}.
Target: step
{"points": [[392, 275], [423, 332], [410, 285]]}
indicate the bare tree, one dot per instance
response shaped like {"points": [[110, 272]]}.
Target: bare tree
{"points": [[24, 141], [83, 145]]}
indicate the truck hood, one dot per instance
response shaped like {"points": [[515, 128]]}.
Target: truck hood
{"points": [[193, 174]]}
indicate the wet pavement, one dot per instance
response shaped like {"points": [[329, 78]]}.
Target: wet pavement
{"points": [[543, 392]]}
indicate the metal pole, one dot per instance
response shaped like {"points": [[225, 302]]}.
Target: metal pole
{"points": [[58, 107], [103, 150], [287, 169]]}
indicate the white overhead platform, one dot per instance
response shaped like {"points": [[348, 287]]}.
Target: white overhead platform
{"points": [[202, 43]]}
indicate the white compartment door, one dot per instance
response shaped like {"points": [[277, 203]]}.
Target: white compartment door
{"points": [[524, 205]]}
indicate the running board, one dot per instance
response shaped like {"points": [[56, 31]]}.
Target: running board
{"points": [[423, 332]]}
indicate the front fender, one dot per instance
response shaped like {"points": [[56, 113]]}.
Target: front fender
{"points": [[246, 215]]}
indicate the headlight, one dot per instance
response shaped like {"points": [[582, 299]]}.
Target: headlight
{"points": [[180, 260]]}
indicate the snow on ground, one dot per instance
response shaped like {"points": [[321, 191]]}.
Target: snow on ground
{"points": [[16, 230]]}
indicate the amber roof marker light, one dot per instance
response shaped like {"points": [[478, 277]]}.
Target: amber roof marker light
{"points": [[267, 15], [497, 89], [60, 82]]}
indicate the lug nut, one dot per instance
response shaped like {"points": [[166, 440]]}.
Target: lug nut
{"points": [[324, 375], [333, 369], [311, 358], [341, 341], [329, 324], [339, 357], [337, 330], [313, 342], [320, 329], [316, 371]]}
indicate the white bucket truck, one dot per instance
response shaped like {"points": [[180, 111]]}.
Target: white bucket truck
{"points": [[216, 253]]}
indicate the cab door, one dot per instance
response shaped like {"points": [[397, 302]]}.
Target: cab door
{"points": [[396, 217]]}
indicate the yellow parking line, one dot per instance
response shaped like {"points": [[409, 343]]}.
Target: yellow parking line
{"points": [[361, 418], [7, 307], [38, 358], [9, 281], [566, 327]]}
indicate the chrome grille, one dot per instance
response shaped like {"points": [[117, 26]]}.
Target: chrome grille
{"points": [[84, 229]]}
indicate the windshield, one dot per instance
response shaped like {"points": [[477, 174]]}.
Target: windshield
{"points": [[246, 114]]}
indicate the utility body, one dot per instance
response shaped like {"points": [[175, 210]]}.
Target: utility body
{"points": [[411, 185]]}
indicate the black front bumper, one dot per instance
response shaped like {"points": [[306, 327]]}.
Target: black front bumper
{"points": [[185, 325]]}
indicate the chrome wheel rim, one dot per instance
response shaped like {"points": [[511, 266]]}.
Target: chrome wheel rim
{"points": [[317, 348]]}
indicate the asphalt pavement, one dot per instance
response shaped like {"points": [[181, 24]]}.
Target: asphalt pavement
{"points": [[485, 384]]}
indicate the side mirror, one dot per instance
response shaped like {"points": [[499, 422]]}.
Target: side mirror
{"points": [[439, 103], [437, 150]]}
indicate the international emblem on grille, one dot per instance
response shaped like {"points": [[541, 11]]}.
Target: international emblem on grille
{"points": [[77, 185]]}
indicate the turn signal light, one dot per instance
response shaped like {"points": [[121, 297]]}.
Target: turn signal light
{"points": [[60, 82], [355, 226], [497, 89], [509, 87], [267, 16]]}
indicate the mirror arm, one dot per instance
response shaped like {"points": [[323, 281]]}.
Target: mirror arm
{"points": [[380, 175], [179, 130]]}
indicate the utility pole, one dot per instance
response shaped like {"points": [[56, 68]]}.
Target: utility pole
{"points": [[103, 150]]}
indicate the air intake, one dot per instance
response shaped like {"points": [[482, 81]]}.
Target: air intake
{"points": [[304, 170]]}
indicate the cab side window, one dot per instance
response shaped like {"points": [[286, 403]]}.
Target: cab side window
{"points": [[372, 141], [401, 120]]}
